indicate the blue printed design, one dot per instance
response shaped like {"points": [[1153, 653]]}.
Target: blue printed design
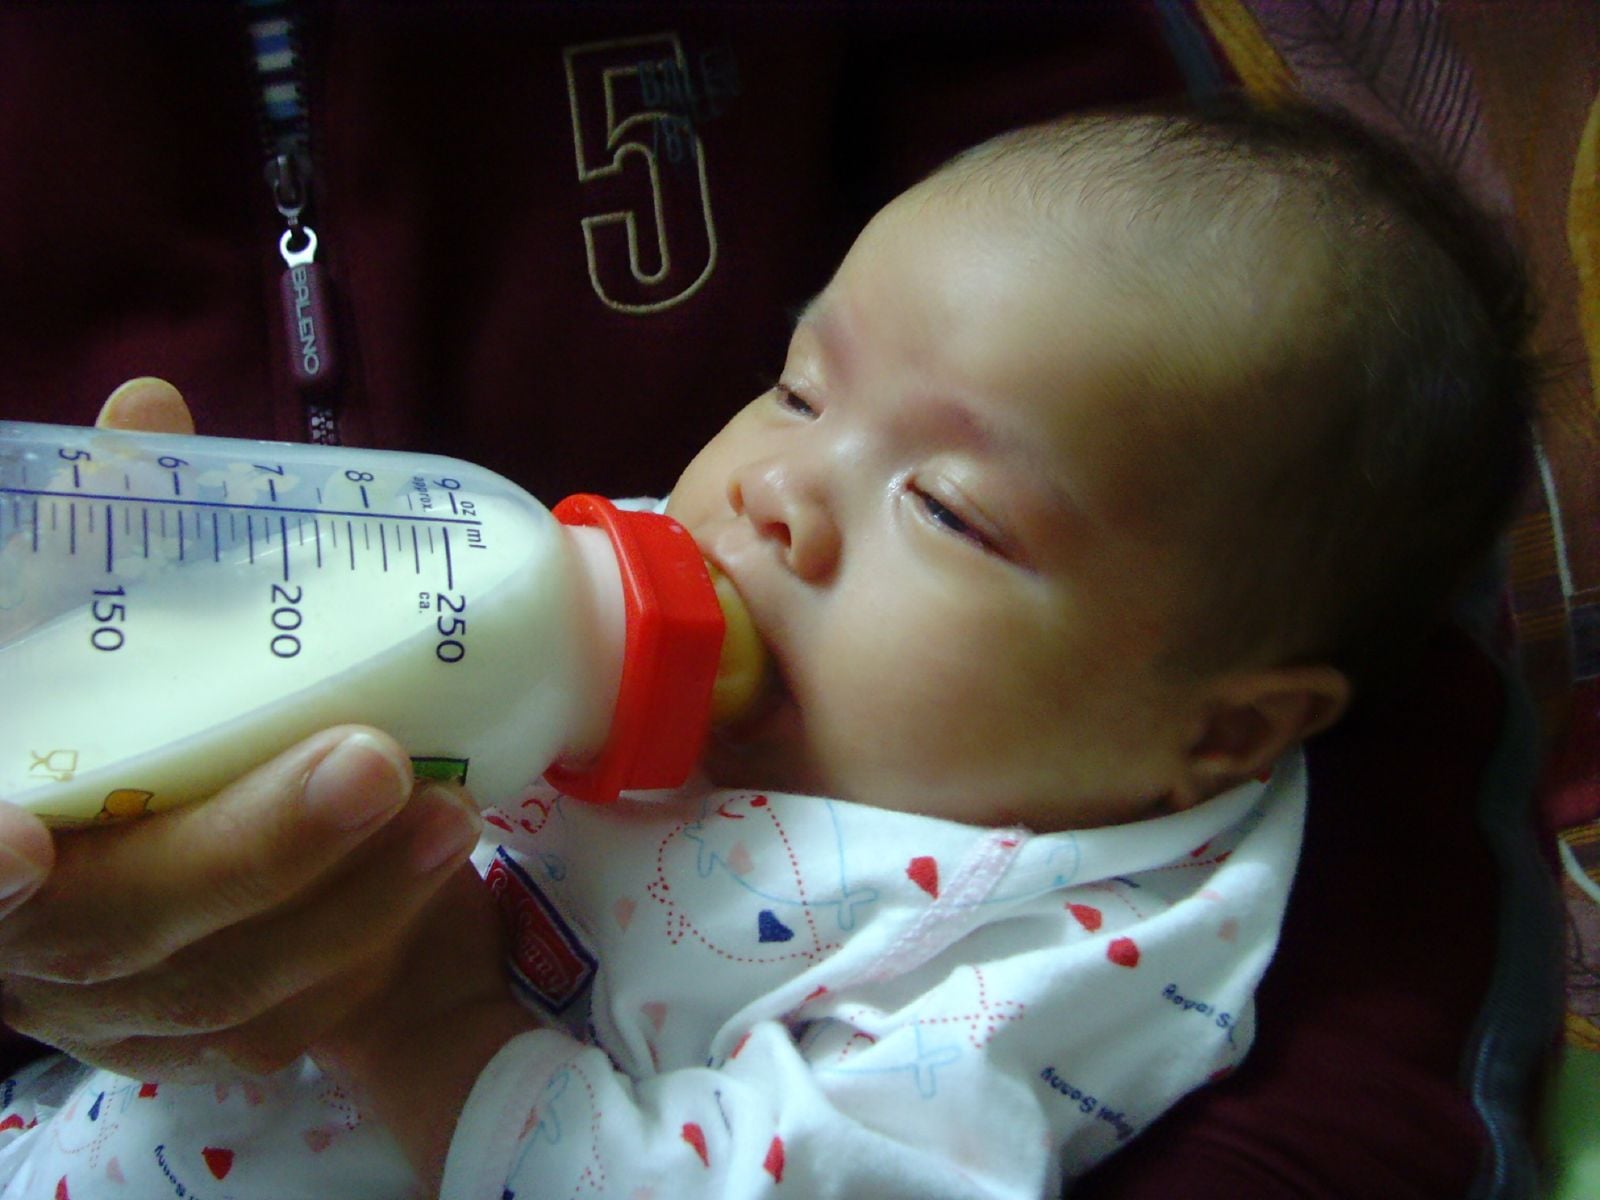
{"points": [[565, 1117], [555, 866], [770, 929], [751, 820], [921, 1059]]}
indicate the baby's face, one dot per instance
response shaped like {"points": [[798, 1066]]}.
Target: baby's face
{"points": [[937, 519]]}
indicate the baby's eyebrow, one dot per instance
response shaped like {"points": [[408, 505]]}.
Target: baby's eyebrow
{"points": [[958, 420], [831, 334]]}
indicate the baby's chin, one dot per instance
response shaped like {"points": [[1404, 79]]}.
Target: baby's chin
{"points": [[767, 751]]}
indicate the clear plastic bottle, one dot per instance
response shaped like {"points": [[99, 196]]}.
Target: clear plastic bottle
{"points": [[174, 610]]}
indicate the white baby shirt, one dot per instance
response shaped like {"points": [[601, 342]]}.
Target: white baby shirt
{"points": [[766, 995], [773, 995]]}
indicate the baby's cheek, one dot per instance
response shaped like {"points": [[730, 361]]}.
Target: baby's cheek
{"points": [[924, 681], [892, 727]]}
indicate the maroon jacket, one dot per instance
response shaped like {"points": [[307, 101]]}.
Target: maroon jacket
{"points": [[475, 172]]}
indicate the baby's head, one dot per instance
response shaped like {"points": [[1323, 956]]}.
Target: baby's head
{"points": [[1111, 455]]}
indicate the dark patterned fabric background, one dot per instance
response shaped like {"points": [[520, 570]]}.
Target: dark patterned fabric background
{"points": [[1508, 95]]}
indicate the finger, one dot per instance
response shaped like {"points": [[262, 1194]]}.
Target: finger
{"points": [[306, 1022], [261, 1047], [150, 404], [26, 856], [455, 962], [244, 971], [123, 898]]}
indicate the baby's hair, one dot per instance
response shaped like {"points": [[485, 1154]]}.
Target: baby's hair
{"points": [[1348, 381]]}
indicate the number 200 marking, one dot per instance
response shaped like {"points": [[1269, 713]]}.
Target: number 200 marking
{"points": [[286, 618]]}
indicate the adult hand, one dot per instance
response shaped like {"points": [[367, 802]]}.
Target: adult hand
{"points": [[152, 405], [228, 935], [414, 1053]]}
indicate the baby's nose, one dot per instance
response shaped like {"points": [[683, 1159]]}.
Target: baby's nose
{"points": [[791, 508]]}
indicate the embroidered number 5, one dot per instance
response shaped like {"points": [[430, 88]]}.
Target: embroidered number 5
{"points": [[651, 242]]}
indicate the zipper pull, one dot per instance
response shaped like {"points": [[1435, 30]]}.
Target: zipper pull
{"points": [[305, 294], [308, 329]]}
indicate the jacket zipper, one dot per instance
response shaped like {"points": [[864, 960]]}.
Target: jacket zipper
{"points": [[304, 297]]}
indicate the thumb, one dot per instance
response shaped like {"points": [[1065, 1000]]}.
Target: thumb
{"points": [[148, 404]]}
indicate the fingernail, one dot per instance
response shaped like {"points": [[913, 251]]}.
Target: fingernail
{"points": [[449, 830], [121, 407], [357, 782], [145, 403]]}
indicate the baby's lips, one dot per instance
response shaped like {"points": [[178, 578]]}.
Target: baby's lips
{"points": [[742, 669]]}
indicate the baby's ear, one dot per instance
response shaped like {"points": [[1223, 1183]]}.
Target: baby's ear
{"points": [[1250, 718]]}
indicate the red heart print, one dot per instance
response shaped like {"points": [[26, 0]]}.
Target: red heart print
{"points": [[696, 1137], [924, 872], [1086, 915], [1123, 952], [218, 1162]]}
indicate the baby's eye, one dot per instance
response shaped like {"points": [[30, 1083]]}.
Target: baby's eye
{"points": [[792, 401], [943, 515]]}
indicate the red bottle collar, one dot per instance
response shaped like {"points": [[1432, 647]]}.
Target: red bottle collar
{"points": [[672, 642]]}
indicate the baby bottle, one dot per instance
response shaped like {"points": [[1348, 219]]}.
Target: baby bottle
{"points": [[175, 610]]}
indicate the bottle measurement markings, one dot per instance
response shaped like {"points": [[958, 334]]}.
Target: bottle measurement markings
{"points": [[194, 529]]}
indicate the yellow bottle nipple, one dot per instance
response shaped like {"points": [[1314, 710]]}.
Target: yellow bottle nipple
{"points": [[743, 666]]}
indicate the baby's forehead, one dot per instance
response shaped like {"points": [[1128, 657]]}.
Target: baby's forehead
{"points": [[1184, 305], [1137, 188]]}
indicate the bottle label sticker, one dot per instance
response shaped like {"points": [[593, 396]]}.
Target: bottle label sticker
{"points": [[441, 768]]}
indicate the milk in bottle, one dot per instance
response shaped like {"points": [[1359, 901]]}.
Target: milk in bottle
{"points": [[175, 610]]}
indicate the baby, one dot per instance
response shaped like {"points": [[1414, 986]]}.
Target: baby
{"points": [[1114, 459]]}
